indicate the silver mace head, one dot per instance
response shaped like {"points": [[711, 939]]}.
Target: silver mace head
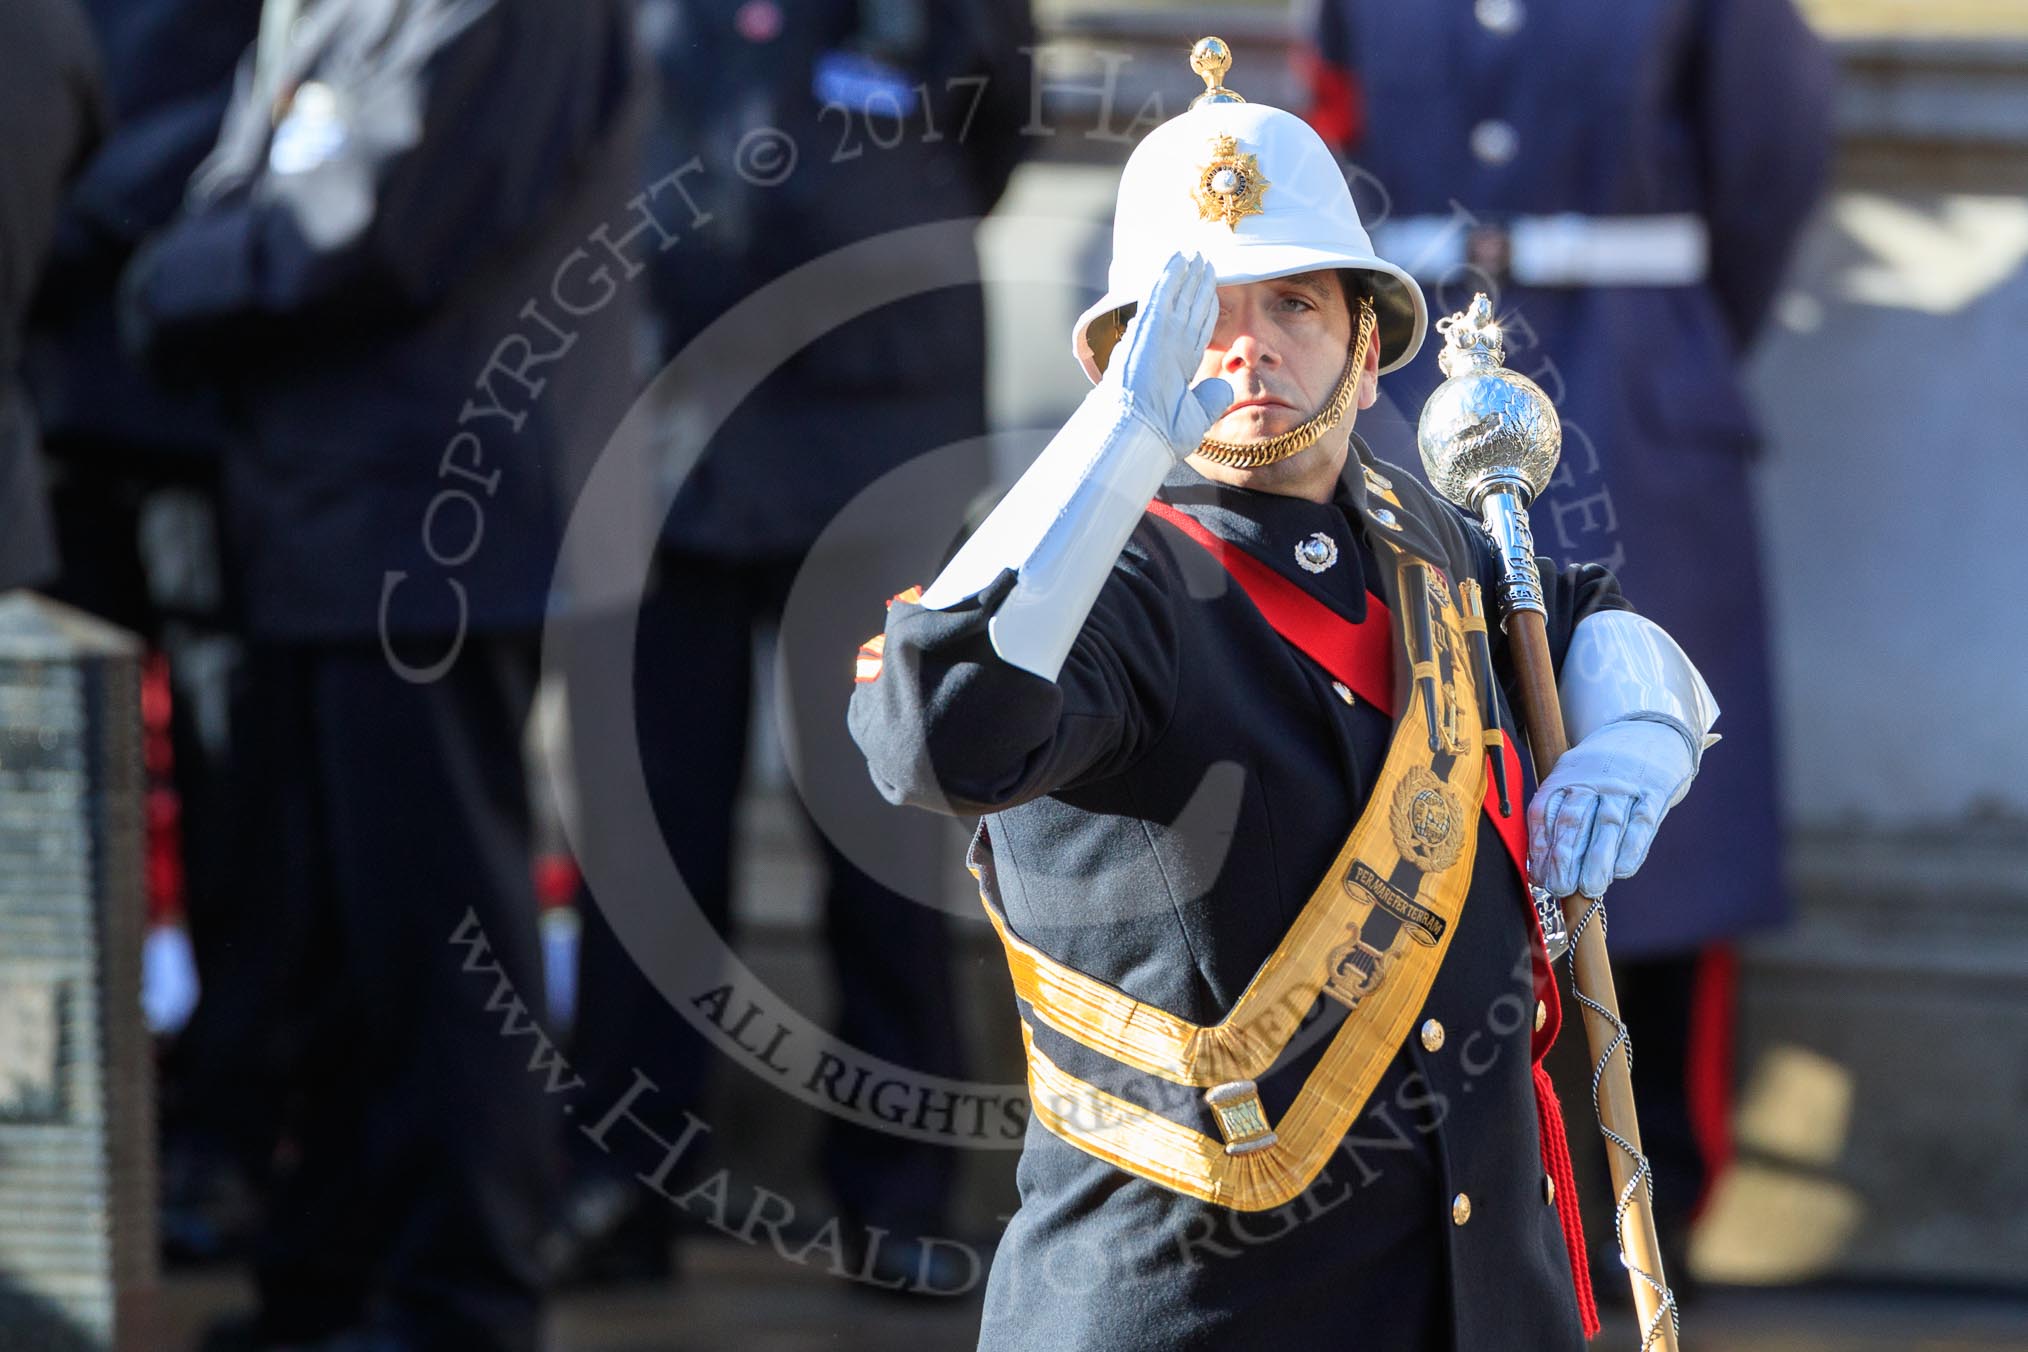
{"points": [[1489, 439], [1486, 429]]}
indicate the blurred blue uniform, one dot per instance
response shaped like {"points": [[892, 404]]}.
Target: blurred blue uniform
{"points": [[1715, 109], [898, 381], [357, 273], [364, 249], [120, 443], [1684, 142], [52, 111], [890, 385], [169, 67]]}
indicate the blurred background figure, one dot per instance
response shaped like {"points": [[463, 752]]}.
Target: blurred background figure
{"points": [[392, 189], [1628, 183], [135, 486], [901, 381], [52, 112]]}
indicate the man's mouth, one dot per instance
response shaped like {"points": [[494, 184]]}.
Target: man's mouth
{"points": [[1258, 401]]}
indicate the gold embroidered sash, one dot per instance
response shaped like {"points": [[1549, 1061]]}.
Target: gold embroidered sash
{"points": [[1371, 936]]}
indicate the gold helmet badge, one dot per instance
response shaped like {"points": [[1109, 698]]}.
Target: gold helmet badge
{"points": [[1229, 188]]}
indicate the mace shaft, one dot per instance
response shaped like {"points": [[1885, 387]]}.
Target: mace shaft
{"points": [[1592, 977]]}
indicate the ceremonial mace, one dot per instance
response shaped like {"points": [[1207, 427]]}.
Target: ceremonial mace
{"points": [[1490, 438]]}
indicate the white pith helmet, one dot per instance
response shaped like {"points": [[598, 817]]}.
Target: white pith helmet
{"points": [[1256, 191]]}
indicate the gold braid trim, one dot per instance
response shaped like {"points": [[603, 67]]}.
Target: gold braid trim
{"points": [[1252, 455], [1254, 1164]]}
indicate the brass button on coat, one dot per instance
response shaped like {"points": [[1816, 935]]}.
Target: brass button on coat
{"points": [[1432, 1035], [1541, 1014], [1548, 1190], [1344, 691], [1461, 1209]]}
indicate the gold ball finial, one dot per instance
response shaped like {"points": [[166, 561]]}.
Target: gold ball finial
{"points": [[1211, 59]]}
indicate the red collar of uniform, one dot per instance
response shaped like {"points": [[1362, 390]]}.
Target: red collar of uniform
{"points": [[1359, 654]]}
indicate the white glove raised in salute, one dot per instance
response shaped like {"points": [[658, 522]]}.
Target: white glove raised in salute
{"points": [[1160, 352], [1063, 524]]}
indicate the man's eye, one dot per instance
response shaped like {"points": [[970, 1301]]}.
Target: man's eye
{"points": [[1297, 302]]}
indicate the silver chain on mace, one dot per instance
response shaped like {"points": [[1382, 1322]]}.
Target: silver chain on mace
{"points": [[1643, 1175]]}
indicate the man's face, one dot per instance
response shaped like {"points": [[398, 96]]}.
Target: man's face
{"points": [[1281, 344]]}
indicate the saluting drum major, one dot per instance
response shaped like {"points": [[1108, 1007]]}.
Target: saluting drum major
{"points": [[1258, 852]]}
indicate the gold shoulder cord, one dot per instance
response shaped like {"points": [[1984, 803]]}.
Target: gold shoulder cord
{"points": [[1252, 455], [1420, 823]]}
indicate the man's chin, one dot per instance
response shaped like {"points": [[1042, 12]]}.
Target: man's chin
{"points": [[1254, 425]]}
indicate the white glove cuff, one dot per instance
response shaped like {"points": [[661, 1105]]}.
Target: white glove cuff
{"points": [[1621, 665]]}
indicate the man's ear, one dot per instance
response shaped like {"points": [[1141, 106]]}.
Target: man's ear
{"points": [[1369, 377]]}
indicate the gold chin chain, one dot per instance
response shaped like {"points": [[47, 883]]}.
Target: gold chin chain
{"points": [[1253, 454]]}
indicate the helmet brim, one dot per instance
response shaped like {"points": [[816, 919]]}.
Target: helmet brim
{"points": [[1402, 314]]}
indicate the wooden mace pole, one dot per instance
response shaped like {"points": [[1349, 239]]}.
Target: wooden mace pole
{"points": [[1592, 975]]}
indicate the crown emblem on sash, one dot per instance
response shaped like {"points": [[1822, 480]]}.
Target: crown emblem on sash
{"points": [[1426, 821]]}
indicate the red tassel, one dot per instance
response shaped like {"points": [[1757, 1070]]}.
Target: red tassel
{"points": [[1708, 1067], [164, 821], [556, 881], [1556, 1163]]}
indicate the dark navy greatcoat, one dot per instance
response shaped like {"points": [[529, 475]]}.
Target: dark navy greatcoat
{"points": [[1713, 107], [899, 381], [52, 111], [345, 284], [1156, 818], [169, 66]]}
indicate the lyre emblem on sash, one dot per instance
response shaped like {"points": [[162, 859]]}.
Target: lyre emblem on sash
{"points": [[1356, 968]]}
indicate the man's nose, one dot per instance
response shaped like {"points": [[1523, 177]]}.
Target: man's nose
{"points": [[1246, 349]]}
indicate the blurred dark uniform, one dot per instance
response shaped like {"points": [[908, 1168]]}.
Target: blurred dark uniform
{"points": [[1430, 1225], [113, 433], [1711, 118], [390, 201], [123, 449], [900, 381], [52, 112]]}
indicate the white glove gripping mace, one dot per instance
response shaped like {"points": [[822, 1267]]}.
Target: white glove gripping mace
{"points": [[1490, 438]]}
